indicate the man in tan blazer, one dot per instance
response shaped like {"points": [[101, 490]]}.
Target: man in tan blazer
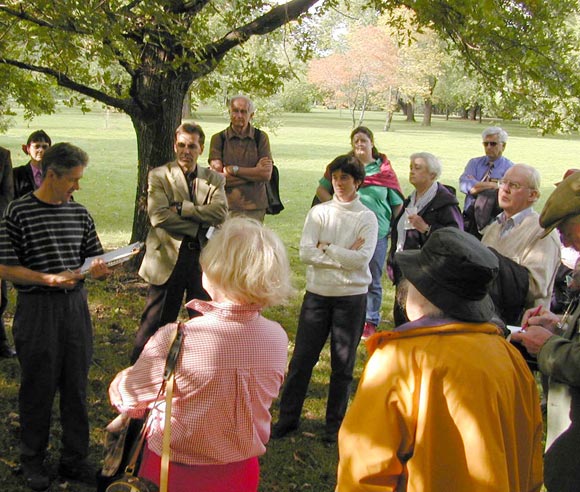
{"points": [[183, 202]]}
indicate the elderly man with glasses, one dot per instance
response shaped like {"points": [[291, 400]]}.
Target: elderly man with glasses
{"points": [[517, 234], [479, 181]]}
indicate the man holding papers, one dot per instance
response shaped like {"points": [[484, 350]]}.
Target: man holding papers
{"points": [[44, 239]]}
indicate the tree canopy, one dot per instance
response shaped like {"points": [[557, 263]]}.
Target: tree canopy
{"points": [[142, 57]]}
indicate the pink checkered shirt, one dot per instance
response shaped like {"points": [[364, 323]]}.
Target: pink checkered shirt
{"points": [[229, 371]]}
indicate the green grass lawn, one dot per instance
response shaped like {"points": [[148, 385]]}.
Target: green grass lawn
{"points": [[301, 147]]}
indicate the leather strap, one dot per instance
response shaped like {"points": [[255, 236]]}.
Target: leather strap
{"points": [[168, 382]]}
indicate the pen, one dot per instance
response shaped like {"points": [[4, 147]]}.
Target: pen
{"points": [[534, 313]]}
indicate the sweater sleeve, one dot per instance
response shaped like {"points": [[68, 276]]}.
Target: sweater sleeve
{"points": [[349, 259]]}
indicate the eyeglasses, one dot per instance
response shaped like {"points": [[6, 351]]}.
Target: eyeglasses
{"points": [[511, 185], [490, 144]]}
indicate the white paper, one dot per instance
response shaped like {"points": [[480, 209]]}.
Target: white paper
{"points": [[116, 257], [514, 329]]}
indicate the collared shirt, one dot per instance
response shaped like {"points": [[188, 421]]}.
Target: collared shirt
{"points": [[229, 370], [37, 174], [242, 150], [508, 223], [476, 170]]}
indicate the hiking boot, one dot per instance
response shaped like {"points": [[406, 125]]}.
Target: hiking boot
{"points": [[369, 330], [35, 476], [80, 471]]}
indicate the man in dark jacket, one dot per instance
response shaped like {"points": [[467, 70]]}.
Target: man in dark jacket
{"points": [[555, 341]]}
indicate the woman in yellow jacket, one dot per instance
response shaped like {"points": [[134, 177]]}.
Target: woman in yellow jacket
{"points": [[445, 403]]}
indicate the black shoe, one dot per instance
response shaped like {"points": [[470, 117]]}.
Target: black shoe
{"points": [[6, 351], [80, 471], [35, 476], [281, 429], [330, 437]]}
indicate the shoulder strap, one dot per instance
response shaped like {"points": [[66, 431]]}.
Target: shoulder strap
{"points": [[168, 374], [257, 137]]}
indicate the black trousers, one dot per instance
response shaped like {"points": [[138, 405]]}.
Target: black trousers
{"points": [[54, 343], [341, 317], [164, 301]]}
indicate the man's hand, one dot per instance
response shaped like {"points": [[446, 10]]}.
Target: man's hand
{"points": [[217, 165], [483, 185], [533, 338], [543, 318], [66, 279], [99, 269]]}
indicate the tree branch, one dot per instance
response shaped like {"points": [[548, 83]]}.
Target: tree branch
{"points": [[265, 24], [63, 80], [191, 7], [21, 14]]}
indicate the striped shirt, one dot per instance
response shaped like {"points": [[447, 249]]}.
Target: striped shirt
{"points": [[229, 371], [46, 238]]}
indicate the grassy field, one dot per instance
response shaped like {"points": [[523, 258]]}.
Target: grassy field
{"points": [[302, 147]]}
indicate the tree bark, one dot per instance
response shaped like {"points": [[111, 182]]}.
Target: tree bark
{"points": [[427, 113], [410, 112]]}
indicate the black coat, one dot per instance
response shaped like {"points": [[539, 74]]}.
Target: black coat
{"points": [[442, 211]]}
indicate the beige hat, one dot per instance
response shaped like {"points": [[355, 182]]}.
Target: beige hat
{"points": [[564, 202]]}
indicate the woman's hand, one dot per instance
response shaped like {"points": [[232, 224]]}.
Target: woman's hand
{"points": [[358, 244], [418, 223]]}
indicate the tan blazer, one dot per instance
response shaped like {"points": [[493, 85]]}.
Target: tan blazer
{"points": [[167, 184]]}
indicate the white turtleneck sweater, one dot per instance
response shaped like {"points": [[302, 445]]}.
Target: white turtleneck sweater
{"points": [[339, 271]]}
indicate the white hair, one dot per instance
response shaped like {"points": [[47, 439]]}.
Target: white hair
{"points": [[249, 102], [433, 162], [495, 130]]}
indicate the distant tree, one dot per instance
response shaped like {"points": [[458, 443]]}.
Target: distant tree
{"points": [[365, 69], [139, 57]]}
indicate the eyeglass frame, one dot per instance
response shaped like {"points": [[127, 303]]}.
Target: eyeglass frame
{"points": [[490, 144], [512, 185]]}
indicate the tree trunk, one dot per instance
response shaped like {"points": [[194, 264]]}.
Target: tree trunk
{"points": [[388, 121], [363, 109], [155, 126], [410, 112], [186, 110], [427, 113]]}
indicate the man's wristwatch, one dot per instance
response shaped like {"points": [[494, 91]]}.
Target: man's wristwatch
{"points": [[235, 170]]}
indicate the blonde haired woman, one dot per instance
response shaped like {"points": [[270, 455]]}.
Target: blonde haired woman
{"points": [[230, 368]]}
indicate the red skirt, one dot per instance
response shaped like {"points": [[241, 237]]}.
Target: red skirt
{"points": [[242, 476]]}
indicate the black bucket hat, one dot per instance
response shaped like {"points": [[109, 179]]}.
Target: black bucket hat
{"points": [[454, 272]]}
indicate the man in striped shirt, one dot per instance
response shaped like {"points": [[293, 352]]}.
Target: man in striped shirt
{"points": [[44, 239]]}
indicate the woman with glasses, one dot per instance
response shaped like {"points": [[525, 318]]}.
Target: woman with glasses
{"points": [[430, 206]]}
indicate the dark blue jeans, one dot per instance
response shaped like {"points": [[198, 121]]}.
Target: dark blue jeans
{"points": [[341, 317]]}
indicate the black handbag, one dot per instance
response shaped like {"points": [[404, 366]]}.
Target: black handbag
{"points": [[275, 205], [123, 451]]}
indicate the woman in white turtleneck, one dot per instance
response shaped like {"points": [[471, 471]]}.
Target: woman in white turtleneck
{"points": [[338, 241]]}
